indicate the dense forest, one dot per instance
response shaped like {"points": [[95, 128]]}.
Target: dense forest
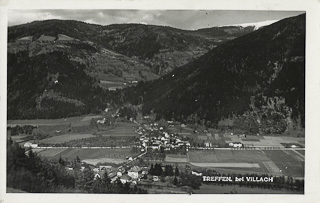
{"points": [[237, 78], [52, 86]]}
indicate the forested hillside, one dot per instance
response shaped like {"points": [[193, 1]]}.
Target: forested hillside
{"points": [[61, 68], [51, 86], [257, 79]]}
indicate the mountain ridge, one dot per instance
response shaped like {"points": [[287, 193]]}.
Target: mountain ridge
{"points": [[223, 81]]}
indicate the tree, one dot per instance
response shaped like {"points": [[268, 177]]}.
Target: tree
{"points": [[61, 161], [158, 169], [78, 159], [88, 175], [168, 170], [176, 172], [151, 171], [175, 180], [106, 181]]}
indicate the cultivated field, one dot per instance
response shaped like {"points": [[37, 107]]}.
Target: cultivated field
{"points": [[176, 158], [121, 129], [51, 153], [79, 120], [90, 155], [276, 162], [227, 156], [64, 138], [287, 162], [227, 165], [20, 138], [104, 160]]}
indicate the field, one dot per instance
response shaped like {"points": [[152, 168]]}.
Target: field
{"points": [[90, 155], [64, 138], [51, 153], [79, 120], [20, 138], [121, 129], [60, 121], [227, 156], [227, 165], [53, 129], [287, 162], [176, 158], [276, 162]]}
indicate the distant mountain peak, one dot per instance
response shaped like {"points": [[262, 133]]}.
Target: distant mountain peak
{"points": [[256, 25]]}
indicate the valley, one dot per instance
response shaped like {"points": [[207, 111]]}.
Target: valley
{"points": [[133, 108]]}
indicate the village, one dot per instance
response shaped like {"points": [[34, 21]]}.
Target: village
{"points": [[171, 142]]}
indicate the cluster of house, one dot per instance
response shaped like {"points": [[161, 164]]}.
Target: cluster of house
{"points": [[132, 175], [235, 144], [162, 139]]}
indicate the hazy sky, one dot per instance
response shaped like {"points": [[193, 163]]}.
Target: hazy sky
{"points": [[184, 19]]}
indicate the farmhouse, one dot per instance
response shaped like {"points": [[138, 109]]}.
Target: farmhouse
{"points": [[235, 144], [155, 146], [207, 144], [101, 121], [96, 176], [30, 145], [125, 178], [134, 172], [155, 178]]}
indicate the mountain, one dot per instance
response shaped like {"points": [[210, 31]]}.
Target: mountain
{"points": [[61, 68], [256, 25], [160, 48], [257, 81]]}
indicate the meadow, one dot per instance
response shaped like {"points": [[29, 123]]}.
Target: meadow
{"points": [[176, 158], [276, 162], [288, 163], [64, 138], [89, 155]]}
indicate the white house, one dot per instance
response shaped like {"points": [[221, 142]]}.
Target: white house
{"points": [[155, 178], [96, 170], [96, 176], [237, 144], [134, 172], [207, 144], [101, 121], [30, 145], [125, 178]]}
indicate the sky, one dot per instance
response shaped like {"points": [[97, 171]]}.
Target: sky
{"points": [[183, 19]]}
